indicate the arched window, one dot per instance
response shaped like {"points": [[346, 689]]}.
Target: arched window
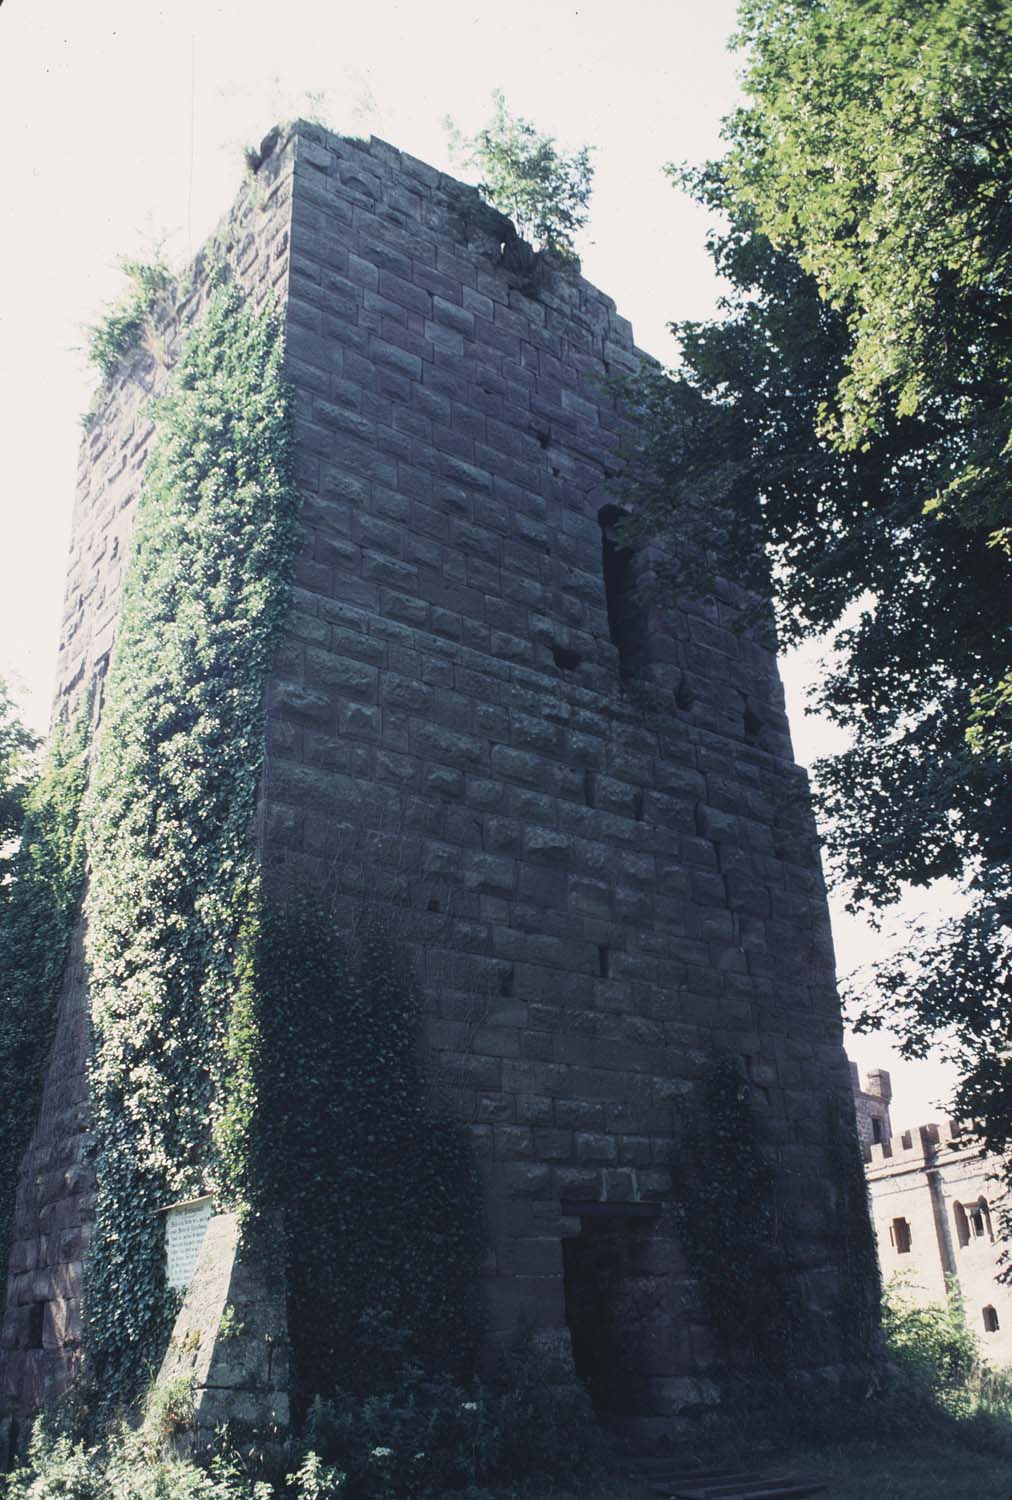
{"points": [[973, 1221], [990, 1320], [962, 1224], [980, 1219]]}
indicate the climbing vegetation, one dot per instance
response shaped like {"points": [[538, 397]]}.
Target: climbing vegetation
{"points": [[727, 1223], [38, 910], [328, 1129], [242, 1046], [739, 1238], [171, 806]]}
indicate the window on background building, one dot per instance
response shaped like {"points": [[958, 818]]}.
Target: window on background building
{"points": [[876, 1130], [899, 1233], [973, 1221], [980, 1219], [962, 1224], [990, 1320]]}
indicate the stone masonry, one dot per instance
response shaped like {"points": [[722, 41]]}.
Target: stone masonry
{"points": [[937, 1198], [871, 1106], [581, 811]]}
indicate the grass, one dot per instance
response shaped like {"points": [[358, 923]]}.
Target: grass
{"points": [[901, 1468], [904, 1469]]}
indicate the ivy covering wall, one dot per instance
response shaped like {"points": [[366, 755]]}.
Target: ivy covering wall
{"points": [[242, 1045], [37, 915], [741, 1245], [330, 1130], [172, 804]]}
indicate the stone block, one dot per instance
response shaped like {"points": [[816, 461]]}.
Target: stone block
{"points": [[592, 1147]]}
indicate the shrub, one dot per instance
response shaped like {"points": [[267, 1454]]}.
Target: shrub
{"points": [[525, 176], [433, 1437], [930, 1343], [124, 324], [428, 1438]]}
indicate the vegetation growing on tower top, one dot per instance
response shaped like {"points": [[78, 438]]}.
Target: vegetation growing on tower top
{"points": [[525, 175], [124, 324]]}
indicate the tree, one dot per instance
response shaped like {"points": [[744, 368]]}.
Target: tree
{"points": [[17, 766], [857, 391], [525, 176]]}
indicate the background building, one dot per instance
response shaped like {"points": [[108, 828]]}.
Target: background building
{"points": [[935, 1197]]}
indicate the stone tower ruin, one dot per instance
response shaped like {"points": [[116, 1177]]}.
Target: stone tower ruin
{"points": [[582, 810]]}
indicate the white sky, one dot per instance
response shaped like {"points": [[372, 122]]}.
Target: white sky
{"points": [[121, 130]]}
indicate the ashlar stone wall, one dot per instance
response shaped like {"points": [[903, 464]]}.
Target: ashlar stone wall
{"points": [[602, 863], [581, 813]]}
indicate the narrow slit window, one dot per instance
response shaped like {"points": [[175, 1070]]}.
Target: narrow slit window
{"points": [[36, 1318], [990, 1320], [899, 1231], [626, 624]]}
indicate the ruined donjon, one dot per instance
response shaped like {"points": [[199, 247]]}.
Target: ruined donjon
{"points": [[581, 808]]}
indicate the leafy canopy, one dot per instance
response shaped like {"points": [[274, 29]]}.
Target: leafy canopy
{"points": [[527, 177], [841, 437]]}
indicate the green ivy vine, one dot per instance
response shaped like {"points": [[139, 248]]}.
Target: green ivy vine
{"points": [[172, 803], [242, 1045], [37, 917], [729, 1227], [329, 1128], [738, 1241]]}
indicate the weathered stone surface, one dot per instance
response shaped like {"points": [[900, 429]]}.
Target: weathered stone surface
{"points": [[230, 1342], [601, 869]]}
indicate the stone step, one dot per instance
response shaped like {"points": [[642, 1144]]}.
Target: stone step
{"points": [[670, 1481], [741, 1487], [665, 1478]]}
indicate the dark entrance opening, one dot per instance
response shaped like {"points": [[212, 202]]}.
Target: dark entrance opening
{"points": [[617, 1274]]}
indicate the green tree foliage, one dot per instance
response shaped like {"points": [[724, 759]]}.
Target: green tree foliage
{"points": [[841, 437], [37, 915], [527, 177], [17, 767], [930, 1342]]}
